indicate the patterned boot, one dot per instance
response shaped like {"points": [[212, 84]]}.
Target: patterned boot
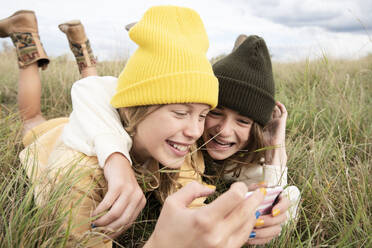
{"points": [[241, 38], [22, 28], [79, 44]]}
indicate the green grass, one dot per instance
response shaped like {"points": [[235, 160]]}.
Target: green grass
{"points": [[329, 144]]}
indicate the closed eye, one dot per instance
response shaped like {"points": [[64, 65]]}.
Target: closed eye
{"points": [[245, 122], [180, 113], [202, 117], [216, 113]]}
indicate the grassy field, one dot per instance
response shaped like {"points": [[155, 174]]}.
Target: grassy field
{"points": [[329, 144]]}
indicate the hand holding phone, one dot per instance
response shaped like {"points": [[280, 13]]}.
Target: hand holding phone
{"points": [[271, 198]]}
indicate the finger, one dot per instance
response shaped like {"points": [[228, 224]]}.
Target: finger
{"points": [[244, 213], [281, 207], [276, 112], [268, 232], [188, 193], [107, 202], [131, 220], [227, 202], [267, 220], [282, 108], [128, 213], [128, 216], [242, 219], [255, 186], [115, 212], [240, 237], [139, 208]]}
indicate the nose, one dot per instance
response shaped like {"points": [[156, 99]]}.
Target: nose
{"points": [[225, 128], [194, 129]]}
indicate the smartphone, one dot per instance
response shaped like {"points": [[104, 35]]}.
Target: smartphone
{"points": [[271, 198]]}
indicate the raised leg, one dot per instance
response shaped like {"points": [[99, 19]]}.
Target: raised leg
{"points": [[29, 94], [80, 47], [22, 28]]}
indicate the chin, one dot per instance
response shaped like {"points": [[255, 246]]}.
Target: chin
{"points": [[173, 163], [216, 155]]}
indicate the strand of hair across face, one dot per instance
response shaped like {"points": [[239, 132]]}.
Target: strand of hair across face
{"points": [[165, 169], [199, 148], [258, 150]]}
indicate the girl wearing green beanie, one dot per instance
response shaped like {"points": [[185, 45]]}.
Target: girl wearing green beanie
{"points": [[244, 137], [163, 96]]}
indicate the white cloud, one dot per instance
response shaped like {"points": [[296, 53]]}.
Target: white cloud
{"points": [[292, 29], [340, 15]]}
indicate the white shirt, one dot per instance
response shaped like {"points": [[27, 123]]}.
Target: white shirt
{"points": [[94, 126]]}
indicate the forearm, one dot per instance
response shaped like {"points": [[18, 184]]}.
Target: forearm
{"points": [[94, 127], [108, 144], [277, 156], [275, 175]]}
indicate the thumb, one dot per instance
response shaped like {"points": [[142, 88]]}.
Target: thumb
{"points": [[190, 192]]}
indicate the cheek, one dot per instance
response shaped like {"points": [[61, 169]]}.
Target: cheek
{"points": [[201, 127], [159, 131], [148, 134], [210, 123], [244, 135]]}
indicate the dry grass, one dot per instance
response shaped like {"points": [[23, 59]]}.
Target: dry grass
{"points": [[329, 142]]}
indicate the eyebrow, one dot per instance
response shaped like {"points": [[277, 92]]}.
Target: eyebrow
{"points": [[190, 106], [243, 116]]}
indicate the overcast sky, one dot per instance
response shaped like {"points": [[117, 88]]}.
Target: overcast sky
{"points": [[293, 29]]}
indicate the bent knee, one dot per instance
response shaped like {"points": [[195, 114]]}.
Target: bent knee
{"points": [[32, 122]]}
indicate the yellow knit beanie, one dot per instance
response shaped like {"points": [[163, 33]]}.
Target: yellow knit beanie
{"points": [[170, 64]]}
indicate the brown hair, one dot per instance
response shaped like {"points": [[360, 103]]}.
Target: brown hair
{"points": [[250, 155]]}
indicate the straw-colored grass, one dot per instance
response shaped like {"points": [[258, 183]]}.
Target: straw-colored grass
{"points": [[329, 144]]}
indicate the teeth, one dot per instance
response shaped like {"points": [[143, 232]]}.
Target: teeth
{"points": [[180, 147], [221, 143]]}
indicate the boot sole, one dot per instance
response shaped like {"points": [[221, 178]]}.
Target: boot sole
{"points": [[63, 26]]}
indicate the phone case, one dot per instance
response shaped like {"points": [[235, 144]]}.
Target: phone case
{"points": [[271, 198]]}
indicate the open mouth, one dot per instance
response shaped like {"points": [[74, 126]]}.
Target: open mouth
{"points": [[218, 143], [180, 149]]}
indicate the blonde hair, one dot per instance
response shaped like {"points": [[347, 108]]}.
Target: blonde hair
{"points": [[163, 180], [130, 117]]}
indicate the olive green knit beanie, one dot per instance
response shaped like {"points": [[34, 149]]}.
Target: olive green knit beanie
{"points": [[246, 82]]}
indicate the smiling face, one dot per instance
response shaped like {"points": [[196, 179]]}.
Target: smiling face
{"points": [[230, 130], [168, 132]]}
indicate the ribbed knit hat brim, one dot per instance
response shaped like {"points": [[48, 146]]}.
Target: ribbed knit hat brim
{"points": [[248, 100], [174, 88]]}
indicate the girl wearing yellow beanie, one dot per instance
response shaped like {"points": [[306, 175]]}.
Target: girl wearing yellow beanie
{"points": [[163, 96], [233, 131]]}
